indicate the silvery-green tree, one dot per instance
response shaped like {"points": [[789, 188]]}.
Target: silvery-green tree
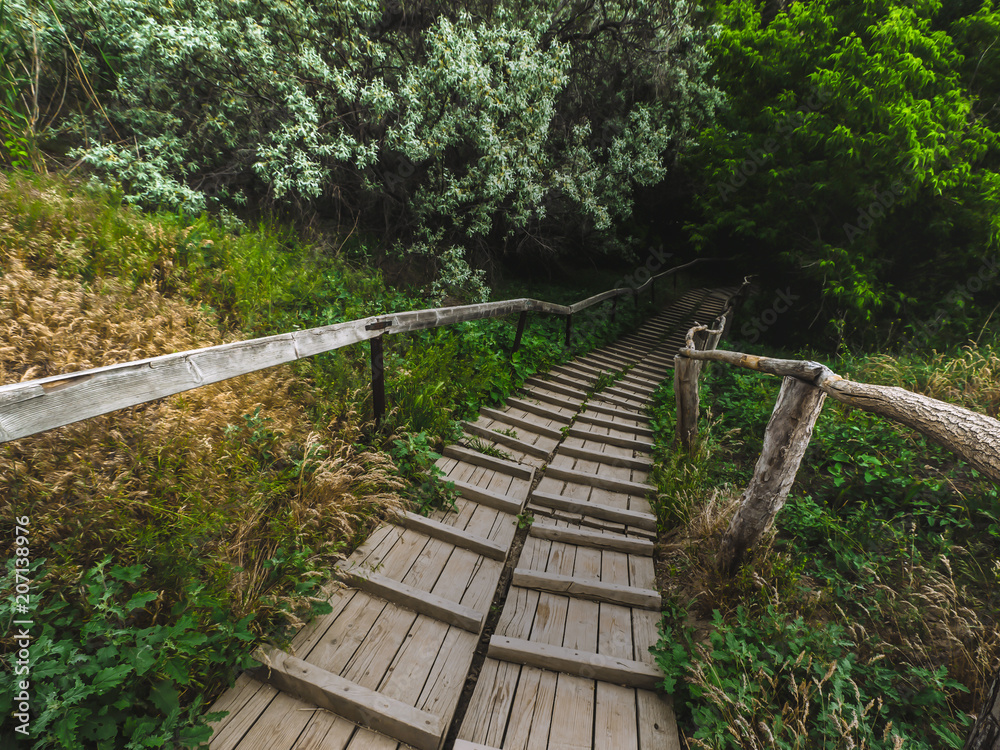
{"points": [[459, 130]]}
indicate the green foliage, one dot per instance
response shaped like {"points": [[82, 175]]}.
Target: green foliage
{"points": [[858, 143], [463, 127], [415, 459], [769, 681], [104, 674]]}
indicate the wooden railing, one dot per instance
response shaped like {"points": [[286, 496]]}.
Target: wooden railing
{"points": [[805, 386], [46, 403]]}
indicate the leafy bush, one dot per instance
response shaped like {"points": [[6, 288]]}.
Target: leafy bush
{"points": [[459, 128], [106, 672]]}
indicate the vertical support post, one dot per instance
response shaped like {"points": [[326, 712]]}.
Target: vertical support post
{"points": [[785, 441], [635, 297], [569, 326], [521, 320], [652, 290], [378, 380], [686, 372], [614, 307]]}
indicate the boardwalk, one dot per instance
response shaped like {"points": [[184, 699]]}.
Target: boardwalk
{"points": [[568, 664]]}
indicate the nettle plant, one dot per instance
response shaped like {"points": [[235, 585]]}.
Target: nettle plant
{"points": [[465, 130]]}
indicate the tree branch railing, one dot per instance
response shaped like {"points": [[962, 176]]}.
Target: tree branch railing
{"points": [[42, 404], [805, 386]]}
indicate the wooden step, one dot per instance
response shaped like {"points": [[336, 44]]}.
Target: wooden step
{"points": [[556, 399], [611, 593], [447, 533], [599, 422], [557, 388], [466, 745], [412, 598], [527, 424], [356, 703], [506, 440], [539, 409], [622, 442], [596, 406], [596, 539], [512, 468], [628, 396], [593, 666], [629, 462], [570, 382], [486, 497], [634, 518], [609, 396], [596, 480]]}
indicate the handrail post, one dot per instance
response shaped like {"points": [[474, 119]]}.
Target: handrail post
{"points": [[521, 320], [635, 297], [569, 325], [652, 290], [686, 374], [378, 380], [614, 306]]}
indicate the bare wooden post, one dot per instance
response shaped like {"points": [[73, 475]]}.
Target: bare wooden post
{"points": [[614, 307], [785, 442], [569, 325], [378, 381], [521, 320], [985, 734], [686, 374], [652, 290]]}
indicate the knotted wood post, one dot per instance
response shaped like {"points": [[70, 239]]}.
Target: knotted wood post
{"points": [[686, 374], [785, 442]]}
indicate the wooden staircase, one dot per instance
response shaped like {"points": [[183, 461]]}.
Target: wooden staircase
{"points": [[557, 536]]}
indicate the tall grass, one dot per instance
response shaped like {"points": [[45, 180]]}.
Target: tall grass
{"points": [[868, 618]]}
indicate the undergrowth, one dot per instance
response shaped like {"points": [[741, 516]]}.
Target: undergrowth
{"points": [[172, 537], [867, 618]]}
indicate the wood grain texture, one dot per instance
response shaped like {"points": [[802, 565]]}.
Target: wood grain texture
{"points": [[586, 589], [575, 662], [361, 705]]}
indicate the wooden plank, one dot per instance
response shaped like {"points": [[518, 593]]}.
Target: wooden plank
{"points": [[490, 499], [466, 745], [412, 598], [458, 537], [657, 723], [594, 405], [527, 424], [613, 542], [611, 425], [597, 480], [557, 388], [623, 442], [639, 520], [575, 662], [628, 462], [615, 718], [592, 590], [461, 453], [541, 410], [506, 440], [361, 705]]}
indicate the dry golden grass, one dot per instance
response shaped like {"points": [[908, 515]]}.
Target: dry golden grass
{"points": [[221, 477]]}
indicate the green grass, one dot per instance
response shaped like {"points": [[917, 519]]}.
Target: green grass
{"points": [[868, 618]]}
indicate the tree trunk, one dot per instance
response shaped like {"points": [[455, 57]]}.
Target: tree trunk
{"points": [[985, 734], [785, 442]]}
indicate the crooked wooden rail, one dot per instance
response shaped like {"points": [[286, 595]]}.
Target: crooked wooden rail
{"points": [[806, 384], [46, 403]]}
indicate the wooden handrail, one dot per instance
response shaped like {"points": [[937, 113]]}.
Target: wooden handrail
{"points": [[973, 436], [46, 403]]}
